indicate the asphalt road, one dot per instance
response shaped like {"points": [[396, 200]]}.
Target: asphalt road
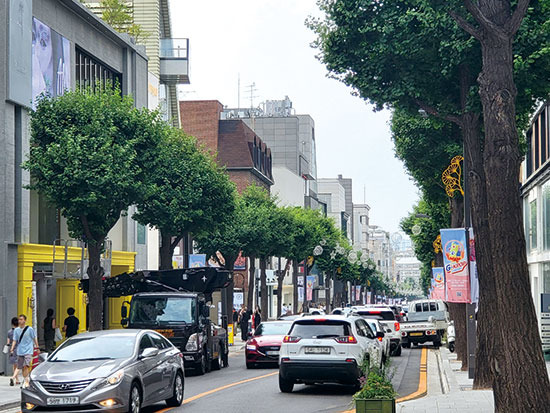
{"points": [[238, 390]]}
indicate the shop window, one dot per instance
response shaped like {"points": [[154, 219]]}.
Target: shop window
{"points": [[140, 233], [532, 225], [546, 278], [92, 73]]}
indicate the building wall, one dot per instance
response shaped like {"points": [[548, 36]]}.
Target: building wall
{"points": [[361, 226], [201, 120], [289, 188], [245, 178]]}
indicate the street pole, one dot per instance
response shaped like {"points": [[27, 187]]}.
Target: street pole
{"points": [[470, 307]]}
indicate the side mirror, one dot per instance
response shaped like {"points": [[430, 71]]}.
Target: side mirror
{"points": [[149, 352], [124, 311], [380, 334]]}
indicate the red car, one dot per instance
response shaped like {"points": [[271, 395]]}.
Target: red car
{"points": [[264, 345]]}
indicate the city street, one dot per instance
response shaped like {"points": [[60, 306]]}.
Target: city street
{"points": [[238, 390]]}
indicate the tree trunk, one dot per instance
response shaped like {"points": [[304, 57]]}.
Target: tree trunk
{"points": [[166, 251], [295, 286], [251, 283], [458, 315], [521, 380], [327, 292], [486, 339], [280, 278], [457, 211], [95, 294], [263, 289]]}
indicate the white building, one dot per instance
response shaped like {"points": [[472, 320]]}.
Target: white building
{"points": [[360, 222], [333, 194]]}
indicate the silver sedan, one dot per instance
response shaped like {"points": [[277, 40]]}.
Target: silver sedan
{"points": [[112, 370]]}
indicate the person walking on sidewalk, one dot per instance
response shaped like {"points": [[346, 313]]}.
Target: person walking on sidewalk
{"points": [[25, 338], [12, 354], [244, 316], [257, 318], [71, 324], [49, 330]]}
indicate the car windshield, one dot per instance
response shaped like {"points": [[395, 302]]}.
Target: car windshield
{"points": [[272, 329], [104, 347], [162, 310], [386, 315], [320, 329]]}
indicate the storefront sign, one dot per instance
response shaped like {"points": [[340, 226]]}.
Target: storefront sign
{"points": [[453, 243]]}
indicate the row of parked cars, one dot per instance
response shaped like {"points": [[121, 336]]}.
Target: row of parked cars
{"points": [[320, 348]]}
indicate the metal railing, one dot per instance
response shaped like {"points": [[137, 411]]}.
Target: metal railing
{"points": [[174, 48]]}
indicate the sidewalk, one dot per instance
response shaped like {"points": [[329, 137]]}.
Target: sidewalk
{"points": [[451, 390], [9, 396]]}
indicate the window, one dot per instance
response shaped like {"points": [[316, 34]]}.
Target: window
{"points": [[162, 310], [546, 278], [144, 343], [546, 214], [158, 341], [320, 329], [140, 229], [425, 307], [433, 307], [532, 238], [90, 72], [364, 329], [418, 307]]}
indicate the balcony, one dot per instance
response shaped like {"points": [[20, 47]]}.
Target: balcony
{"points": [[174, 61]]}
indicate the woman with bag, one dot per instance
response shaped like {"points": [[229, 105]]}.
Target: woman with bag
{"points": [[12, 355], [49, 330]]}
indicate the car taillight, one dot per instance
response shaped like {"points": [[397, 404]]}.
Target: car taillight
{"points": [[181, 355], [346, 340], [397, 326], [431, 333], [291, 339], [379, 339]]}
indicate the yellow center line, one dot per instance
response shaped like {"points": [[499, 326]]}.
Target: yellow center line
{"points": [[422, 389], [227, 386]]}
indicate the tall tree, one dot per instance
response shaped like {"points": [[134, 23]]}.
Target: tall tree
{"points": [[412, 54], [184, 191], [83, 158]]}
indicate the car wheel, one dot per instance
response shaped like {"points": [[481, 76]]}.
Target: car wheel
{"points": [[134, 405], [177, 393], [286, 386], [397, 351], [217, 364]]}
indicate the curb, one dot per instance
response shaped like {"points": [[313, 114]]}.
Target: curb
{"points": [[9, 405]]}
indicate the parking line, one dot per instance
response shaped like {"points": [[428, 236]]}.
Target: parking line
{"points": [[227, 386], [422, 389]]}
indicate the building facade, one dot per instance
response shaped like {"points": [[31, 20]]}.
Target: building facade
{"points": [[334, 195], [381, 252], [52, 46], [360, 222], [535, 191]]}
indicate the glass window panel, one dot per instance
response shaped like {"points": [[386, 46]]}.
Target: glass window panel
{"points": [[533, 224], [546, 214]]}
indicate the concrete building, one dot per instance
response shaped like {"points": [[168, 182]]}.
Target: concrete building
{"points": [[291, 139], [381, 252], [535, 192], [334, 195], [360, 223], [51, 46], [168, 56]]}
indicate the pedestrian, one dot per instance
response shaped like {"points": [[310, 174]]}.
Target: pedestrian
{"points": [[257, 319], [49, 327], [284, 309], [24, 337], [71, 324], [244, 316], [12, 353]]}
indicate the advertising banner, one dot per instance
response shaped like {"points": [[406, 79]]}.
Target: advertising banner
{"points": [[240, 263], [301, 294], [358, 293], [438, 282], [197, 260], [474, 280], [369, 294], [457, 275], [310, 281]]}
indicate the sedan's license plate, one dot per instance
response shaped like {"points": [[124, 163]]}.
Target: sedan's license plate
{"points": [[58, 401], [416, 334], [272, 353], [317, 350]]}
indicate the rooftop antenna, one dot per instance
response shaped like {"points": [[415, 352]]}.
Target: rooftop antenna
{"points": [[252, 90]]}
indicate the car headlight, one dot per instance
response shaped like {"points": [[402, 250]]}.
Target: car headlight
{"points": [[116, 377], [193, 343]]}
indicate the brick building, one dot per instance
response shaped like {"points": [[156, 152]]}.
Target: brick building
{"points": [[245, 156]]}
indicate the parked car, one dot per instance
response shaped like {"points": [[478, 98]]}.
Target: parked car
{"points": [[290, 317], [263, 346], [112, 370], [327, 349], [387, 318], [376, 327]]}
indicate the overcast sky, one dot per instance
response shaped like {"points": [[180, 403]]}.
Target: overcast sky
{"points": [[267, 42]]}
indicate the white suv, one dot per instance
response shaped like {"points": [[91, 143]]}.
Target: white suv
{"points": [[386, 317], [327, 349]]}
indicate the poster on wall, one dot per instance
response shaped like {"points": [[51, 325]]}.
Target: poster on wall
{"points": [[438, 278], [310, 281], [51, 62], [457, 274], [474, 280], [238, 300], [197, 260]]}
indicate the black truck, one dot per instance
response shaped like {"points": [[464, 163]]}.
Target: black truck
{"points": [[175, 303]]}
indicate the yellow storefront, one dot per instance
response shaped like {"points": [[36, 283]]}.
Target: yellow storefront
{"points": [[67, 293]]}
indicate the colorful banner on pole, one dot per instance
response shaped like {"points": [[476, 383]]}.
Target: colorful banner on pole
{"points": [[438, 278], [369, 294], [457, 275], [310, 280], [474, 280], [357, 293]]}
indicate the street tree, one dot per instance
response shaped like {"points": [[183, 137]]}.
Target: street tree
{"points": [[183, 191], [411, 54], [83, 158]]}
